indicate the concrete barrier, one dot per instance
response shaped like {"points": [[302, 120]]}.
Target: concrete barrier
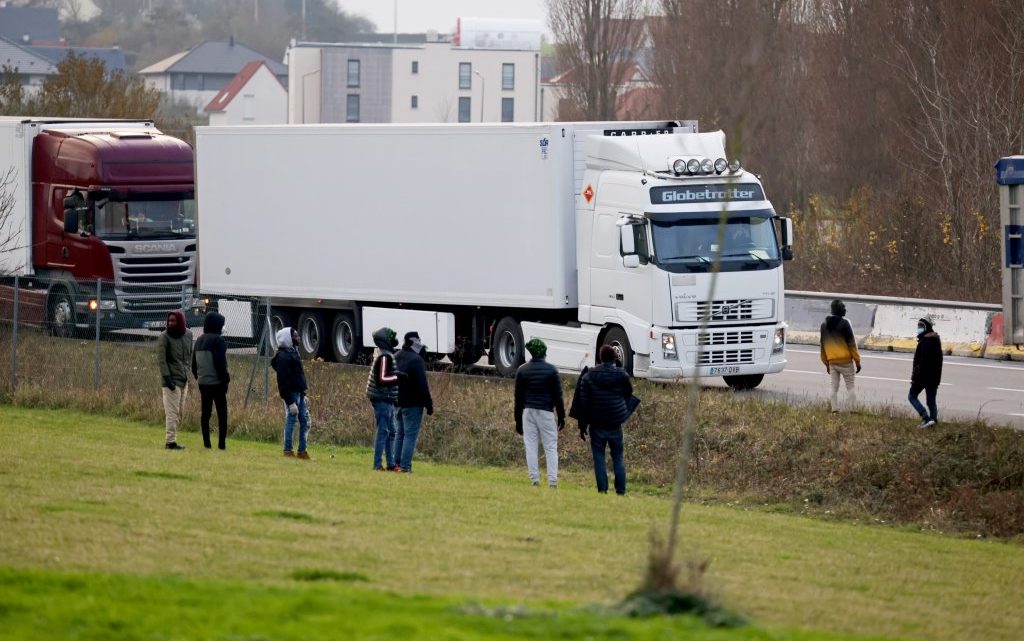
{"points": [[805, 316], [994, 348], [963, 331]]}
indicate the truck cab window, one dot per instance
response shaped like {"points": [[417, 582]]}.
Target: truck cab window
{"points": [[154, 217]]}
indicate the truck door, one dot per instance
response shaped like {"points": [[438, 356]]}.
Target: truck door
{"points": [[612, 285]]}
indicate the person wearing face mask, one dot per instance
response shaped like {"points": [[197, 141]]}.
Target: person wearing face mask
{"points": [[291, 385], [413, 398], [926, 373], [174, 353], [382, 392]]}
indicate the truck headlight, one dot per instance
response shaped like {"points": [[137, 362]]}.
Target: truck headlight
{"points": [[668, 347], [779, 343], [106, 305]]}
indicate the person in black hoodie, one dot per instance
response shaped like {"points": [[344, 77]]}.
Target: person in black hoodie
{"points": [[413, 398], [210, 367], [927, 372], [603, 394], [382, 392], [291, 385], [538, 392]]}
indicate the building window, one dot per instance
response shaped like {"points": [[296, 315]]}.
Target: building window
{"points": [[465, 75], [464, 105], [178, 81], [507, 110], [353, 73], [200, 82], [508, 76], [415, 102], [352, 108], [415, 66]]}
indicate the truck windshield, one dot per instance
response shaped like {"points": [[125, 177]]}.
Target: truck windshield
{"points": [[146, 216], [691, 244]]}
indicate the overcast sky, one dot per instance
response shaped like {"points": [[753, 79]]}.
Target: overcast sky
{"points": [[421, 15]]}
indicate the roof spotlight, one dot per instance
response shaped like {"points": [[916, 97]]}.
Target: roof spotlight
{"points": [[679, 166], [693, 166], [707, 166], [734, 165], [721, 165]]}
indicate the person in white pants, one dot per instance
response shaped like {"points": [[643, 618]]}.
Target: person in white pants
{"points": [[538, 397]]}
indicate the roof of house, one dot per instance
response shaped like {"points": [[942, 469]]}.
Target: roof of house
{"points": [[388, 38], [232, 89], [214, 57], [113, 59], [638, 103], [24, 59], [621, 73], [39, 24]]}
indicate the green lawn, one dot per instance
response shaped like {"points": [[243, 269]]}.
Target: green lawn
{"points": [[107, 535]]}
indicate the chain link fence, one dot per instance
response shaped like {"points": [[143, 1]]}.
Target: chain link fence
{"points": [[63, 341]]}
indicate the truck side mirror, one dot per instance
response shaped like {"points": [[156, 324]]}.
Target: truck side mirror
{"points": [[72, 204], [627, 242], [631, 261], [787, 238]]}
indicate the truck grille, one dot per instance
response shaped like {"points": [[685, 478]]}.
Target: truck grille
{"points": [[152, 284], [726, 310], [731, 357], [725, 338]]}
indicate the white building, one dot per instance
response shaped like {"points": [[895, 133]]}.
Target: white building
{"points": [[196, 76], [253, 97], [465, 80]]}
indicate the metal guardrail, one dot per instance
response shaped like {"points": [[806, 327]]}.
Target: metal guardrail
{"points": [[895, 300]]}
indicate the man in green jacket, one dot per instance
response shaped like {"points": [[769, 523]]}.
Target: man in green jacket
{"points": [[174, 354]]}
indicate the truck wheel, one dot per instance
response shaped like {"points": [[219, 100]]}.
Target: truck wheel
{"points": [[508, 346], [344, 341], [279, 319], [746, 382], [60, 315], [616, 337], [312, 334]]}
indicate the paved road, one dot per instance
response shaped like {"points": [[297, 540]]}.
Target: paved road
{"points": [[970, 386]]}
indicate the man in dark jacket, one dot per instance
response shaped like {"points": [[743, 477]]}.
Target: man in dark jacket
{"points": [[538, 392], [604, 392], [382, 391], [173, 354], [210, 367], [413, 398], [291, 385], [927, 372], [839, 354]]}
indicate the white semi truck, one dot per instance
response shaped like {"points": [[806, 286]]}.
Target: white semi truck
{"points": [[481, 237]]}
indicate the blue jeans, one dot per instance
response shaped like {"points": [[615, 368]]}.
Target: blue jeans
{"points": [[384, 416], [409, 421], [599, 439], [929, 394], [290, 419]]}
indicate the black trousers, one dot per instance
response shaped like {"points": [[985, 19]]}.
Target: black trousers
{"points": [[214, 395]]}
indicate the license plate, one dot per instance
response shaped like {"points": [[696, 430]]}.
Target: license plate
{"points": [[725, 371], [155, 324]]}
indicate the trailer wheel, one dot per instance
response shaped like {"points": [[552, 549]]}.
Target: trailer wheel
{"points": [[344, 341], [508, 346], [742, 383], [60, 314], [279, 319], [616, 337], [312, 334]]}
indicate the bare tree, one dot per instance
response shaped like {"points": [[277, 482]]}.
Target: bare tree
{"points": [[597, 41], [10, 228]]}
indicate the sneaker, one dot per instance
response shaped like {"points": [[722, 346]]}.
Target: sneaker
{"points": [[924, 423], [289, 453], [536, 484], [553, 486], [304, 455], [380, 469], [174, 446], [929, 423], [395, 468]]}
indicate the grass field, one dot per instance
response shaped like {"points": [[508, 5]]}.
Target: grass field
{"points": [[106, 535]]}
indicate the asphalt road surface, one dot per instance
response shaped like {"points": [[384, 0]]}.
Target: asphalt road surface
{"points": [[970, 386]]}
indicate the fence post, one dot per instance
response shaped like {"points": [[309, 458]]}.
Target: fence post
{"points": [[99, 309], [270, 348], [14, 336]]}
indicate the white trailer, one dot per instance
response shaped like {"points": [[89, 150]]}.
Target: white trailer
{"points": [[485, 235]]}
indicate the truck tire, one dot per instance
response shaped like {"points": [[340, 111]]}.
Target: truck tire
{"points": [[279, 319], [616, 337], [312, 334], [60, 314], [507, 346], [345, 344], [745, 382]]}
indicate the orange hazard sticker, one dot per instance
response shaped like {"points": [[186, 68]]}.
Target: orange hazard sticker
{"points": [[588, 193]]}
